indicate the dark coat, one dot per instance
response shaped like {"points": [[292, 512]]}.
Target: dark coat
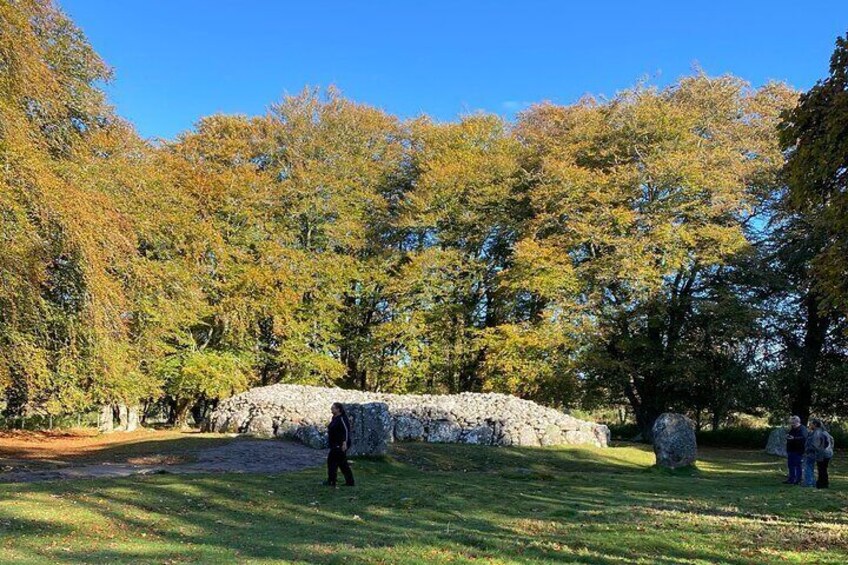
{"points": [[797, 439], [339, 431]]}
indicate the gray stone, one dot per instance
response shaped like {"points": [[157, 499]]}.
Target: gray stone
{"points": [[372, 428], [602, 434], [674, 441], [123, 418], [286, 429], [443, 431], [261, 426], [408, 428], [105, 419], [552, 436], [133, 420], [481, 435], [776, 444], [527, 436], [311, 436]]}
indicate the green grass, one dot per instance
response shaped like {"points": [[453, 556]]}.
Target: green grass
{"points": [[441, 504]]}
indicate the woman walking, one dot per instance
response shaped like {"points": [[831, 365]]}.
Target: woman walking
{"points": [[823, 445], [340, 441]]}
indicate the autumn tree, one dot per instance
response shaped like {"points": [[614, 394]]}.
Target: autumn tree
{"points": [[62, 301], [641, 202], [458, 224]]}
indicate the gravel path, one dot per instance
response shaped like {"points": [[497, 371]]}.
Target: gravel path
{"points": [[240, 456]]}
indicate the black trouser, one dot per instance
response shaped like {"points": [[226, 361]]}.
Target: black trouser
{"points": [[337, 459], [823, 480]]}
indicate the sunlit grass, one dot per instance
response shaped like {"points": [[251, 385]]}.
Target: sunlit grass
{"points": [[441, 504]]}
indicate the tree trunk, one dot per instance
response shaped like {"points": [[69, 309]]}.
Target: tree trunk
{"points": [[181, 413], [644, 410], [815, 334]]}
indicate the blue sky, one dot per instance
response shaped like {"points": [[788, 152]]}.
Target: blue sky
{"points": [[178, 60]]}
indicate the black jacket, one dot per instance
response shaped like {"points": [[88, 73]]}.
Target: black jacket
{"points": [[797, 440], [339, 431]]}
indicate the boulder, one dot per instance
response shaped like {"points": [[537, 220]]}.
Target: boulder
{"points": [[552, 436], [443, 431], [261, 425], [776, 444], [481, 435], [674, 441], [312, 436]]}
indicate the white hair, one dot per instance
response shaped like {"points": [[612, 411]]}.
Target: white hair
{"points": [[795, 419]]}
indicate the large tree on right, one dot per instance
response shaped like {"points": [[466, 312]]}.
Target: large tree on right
{"points": [[644, 206], [815, 136]]}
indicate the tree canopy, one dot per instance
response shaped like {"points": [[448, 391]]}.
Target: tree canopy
{"points": [[650, 249]]}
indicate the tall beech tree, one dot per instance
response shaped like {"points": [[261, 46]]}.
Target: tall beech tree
{"points": [[644, 200], [65, 243], [810, 245]]}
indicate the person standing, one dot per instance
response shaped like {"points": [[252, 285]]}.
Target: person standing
{"points": [[823, 444], [809, 478], [340, 441], [796, 439]]}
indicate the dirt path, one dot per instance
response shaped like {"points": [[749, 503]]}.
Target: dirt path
{"points": [[240, 455]]}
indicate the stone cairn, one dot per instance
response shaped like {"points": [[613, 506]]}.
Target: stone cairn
{"points": [[302, 412]]}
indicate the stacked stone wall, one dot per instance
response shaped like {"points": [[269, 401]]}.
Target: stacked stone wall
{"points": [[302, 413]]}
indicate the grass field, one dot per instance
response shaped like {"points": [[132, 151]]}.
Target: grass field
{"points": [[440, 504]]}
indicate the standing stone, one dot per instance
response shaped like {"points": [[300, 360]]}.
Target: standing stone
{"points": [[372, 428], [105, 419], [132, 418], [123, 418], [776, 444], [602, 434], [674, 441]]}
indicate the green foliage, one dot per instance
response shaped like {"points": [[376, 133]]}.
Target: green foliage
{"points": [[602, 252], [648, 196], [813, 134], [206, 374], [740, 437]]}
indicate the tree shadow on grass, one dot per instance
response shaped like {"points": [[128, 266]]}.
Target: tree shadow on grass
{"points": [[426, 504]]}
